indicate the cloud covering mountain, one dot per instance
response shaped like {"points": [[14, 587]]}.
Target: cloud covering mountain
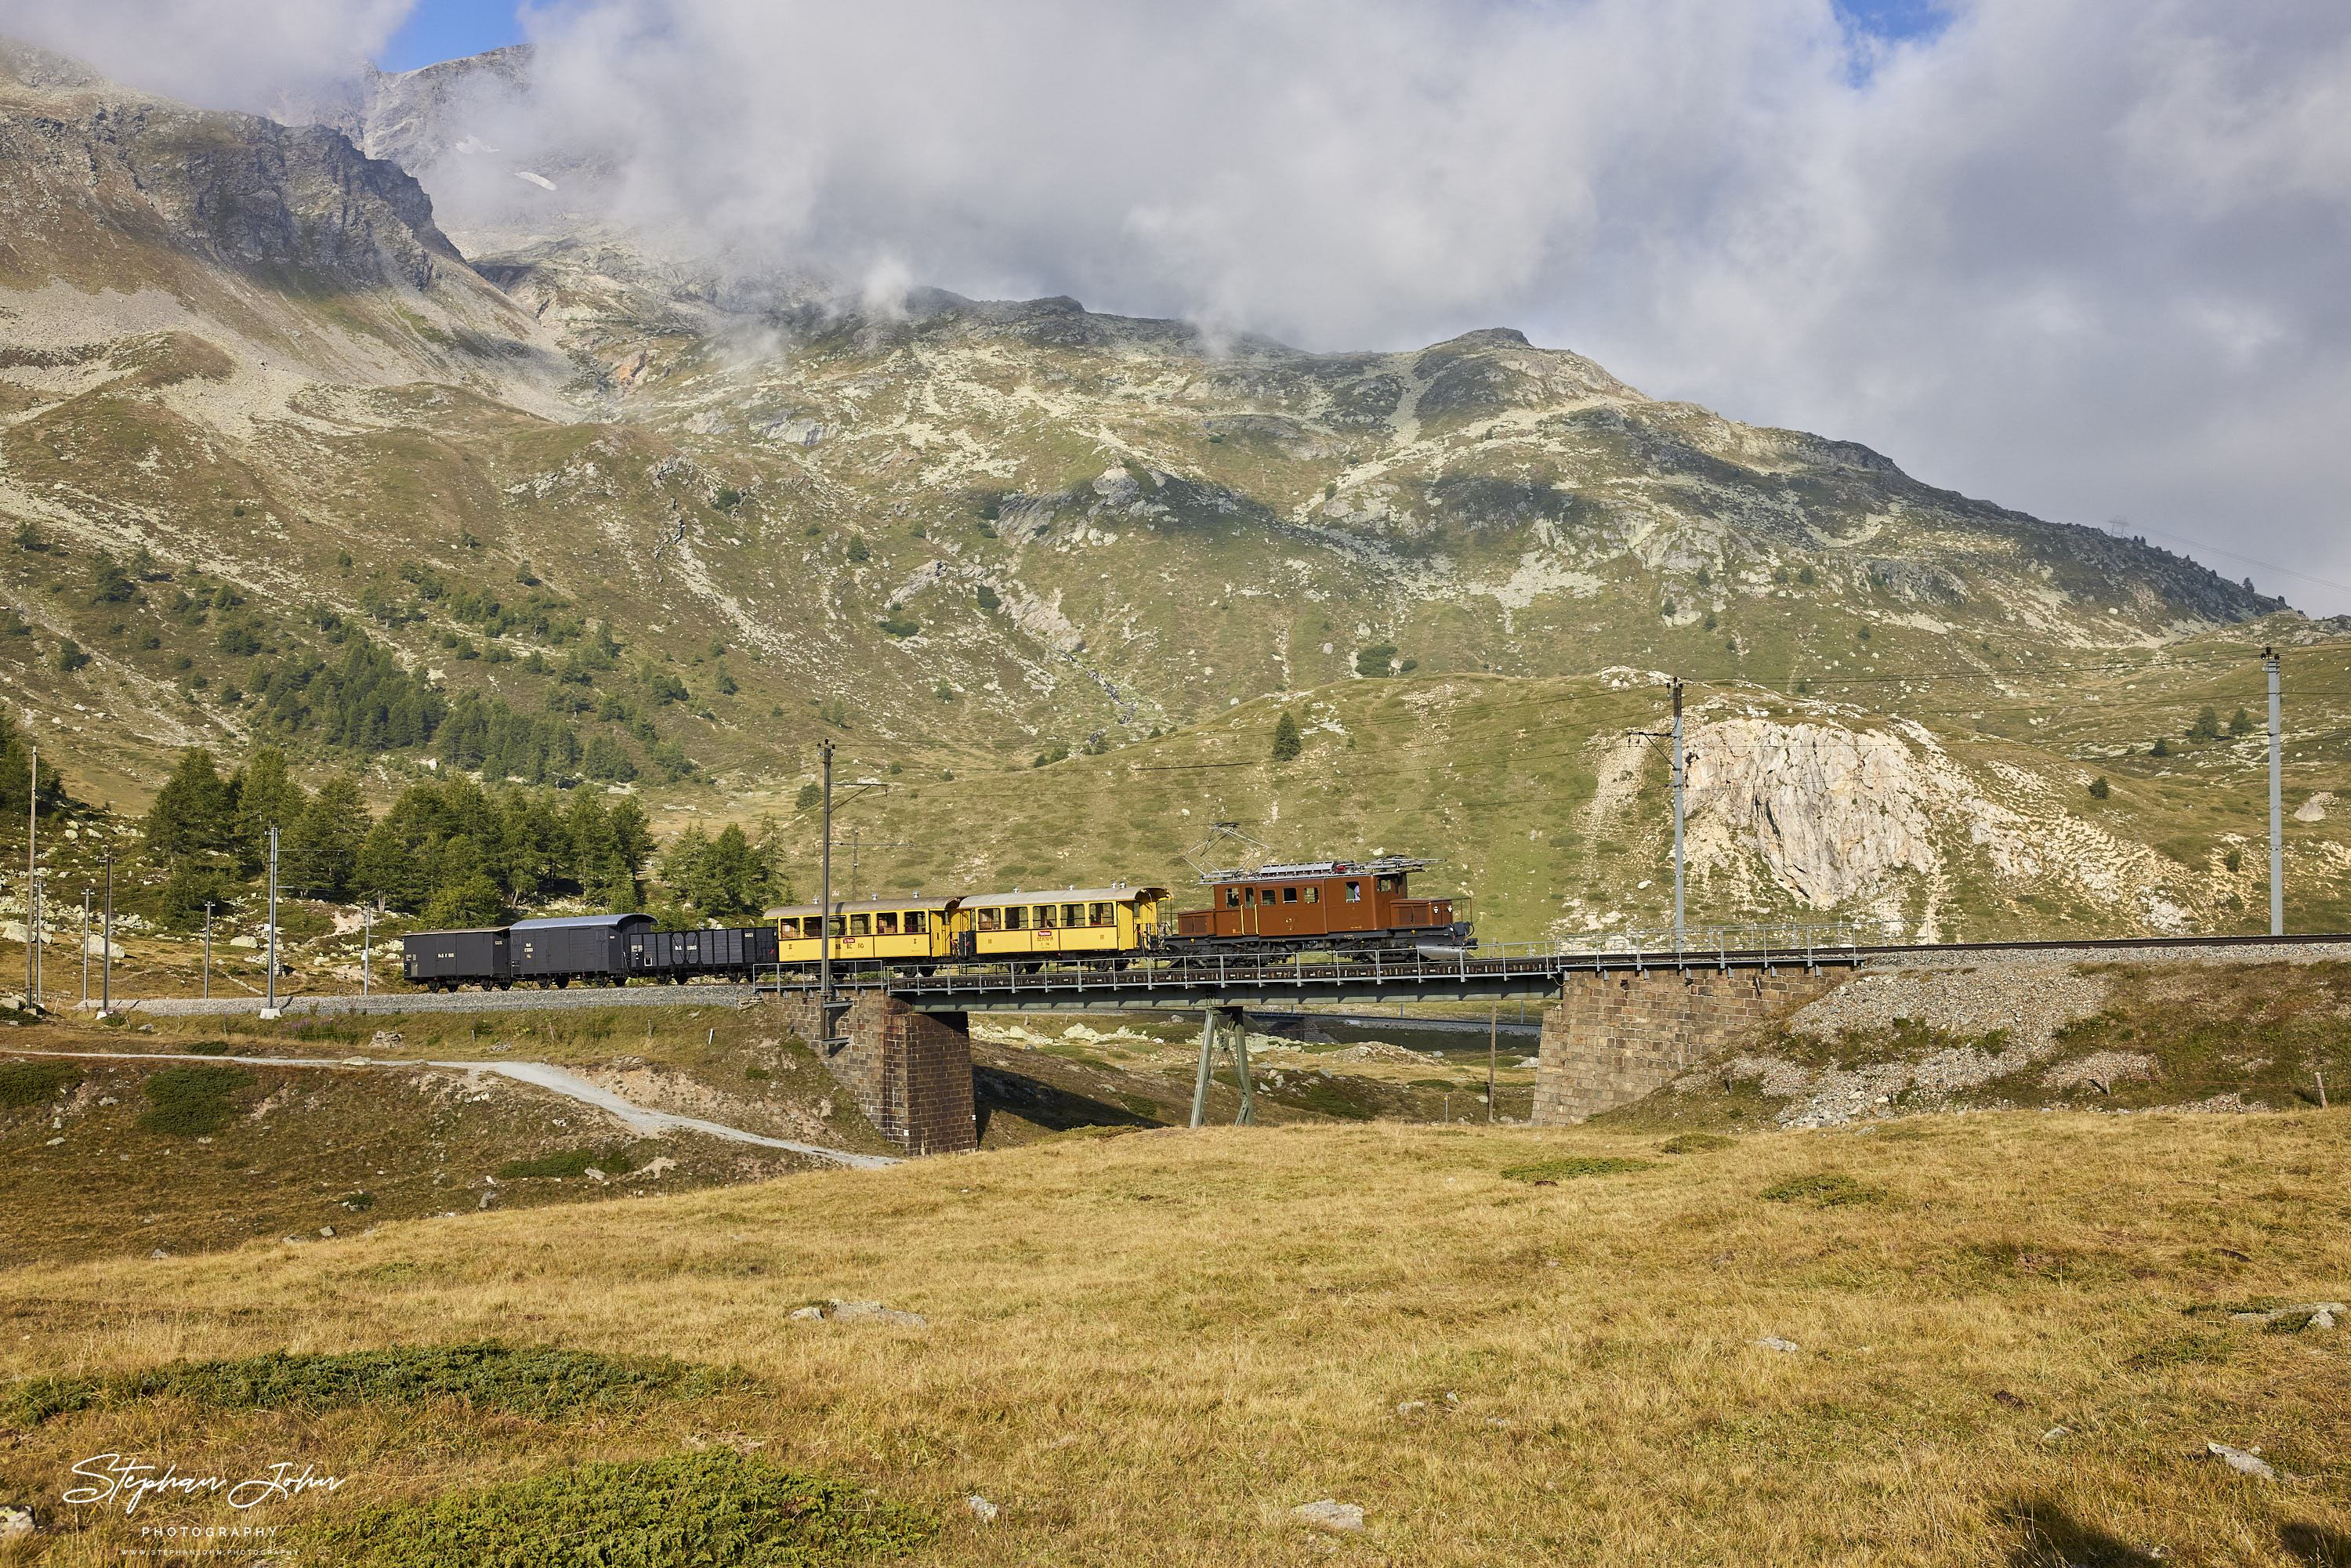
{"points": [[2082, 257]]}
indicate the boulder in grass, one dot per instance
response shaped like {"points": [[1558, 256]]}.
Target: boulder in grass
{"points": [[2241, 1462], [1330, 1514], [861, 1312]]}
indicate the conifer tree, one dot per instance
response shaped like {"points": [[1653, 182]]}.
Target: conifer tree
{"points": [[1287, 743]]}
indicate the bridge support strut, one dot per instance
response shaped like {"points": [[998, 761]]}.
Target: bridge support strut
{"points": [[1228, 1028]]}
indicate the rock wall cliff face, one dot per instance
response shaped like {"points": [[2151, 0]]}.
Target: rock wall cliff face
{"points": [[1850, 814], [84, 165]]}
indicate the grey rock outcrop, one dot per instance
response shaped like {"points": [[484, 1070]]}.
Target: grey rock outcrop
{"points": [[233, 190]]}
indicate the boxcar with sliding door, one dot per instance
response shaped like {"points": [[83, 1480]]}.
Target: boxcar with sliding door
{"points": [[443, 960], [590, 948]]}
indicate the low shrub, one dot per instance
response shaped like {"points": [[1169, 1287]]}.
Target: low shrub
{"points": [[193, 1102], [541, 1382], [1576, 1165], [35, 1082], [1825, 1189], [718, 1509], [1694, 1143], [207, 1048], [36, 1399]]}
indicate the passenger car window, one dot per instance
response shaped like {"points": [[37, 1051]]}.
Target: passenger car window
{"points": [[987, 921], [834, 925], [886, 924], [917, 923], [1100, 915], [1015, 918], [861, 926]]}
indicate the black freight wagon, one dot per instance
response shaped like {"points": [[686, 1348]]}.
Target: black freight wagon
{"points": [[443, 960], [681, 955], [590, 947]]}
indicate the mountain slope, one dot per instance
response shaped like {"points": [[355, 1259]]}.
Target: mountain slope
{"points": [[683, 519]]}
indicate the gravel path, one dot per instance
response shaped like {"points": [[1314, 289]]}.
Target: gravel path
{"points": [[542, 1074]]}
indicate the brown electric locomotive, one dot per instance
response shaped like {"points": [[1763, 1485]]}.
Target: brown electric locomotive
{"points": [[1341, 906]]}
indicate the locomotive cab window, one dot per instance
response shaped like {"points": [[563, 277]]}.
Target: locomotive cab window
{"points": [[1313, 895], [1288, 895], [861, 926], [1101, 914], [1232, 898], [1354, 893], [886, 924], [1387, 885], [917, 922]]}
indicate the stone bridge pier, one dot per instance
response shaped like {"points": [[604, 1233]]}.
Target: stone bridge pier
{"points": [[1614, 1037], [910, 1072]]}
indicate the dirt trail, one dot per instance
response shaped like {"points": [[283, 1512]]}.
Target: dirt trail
{"points": [[544, 1076]]}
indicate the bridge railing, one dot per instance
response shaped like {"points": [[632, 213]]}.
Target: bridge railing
{"points": [[1781, 942]]}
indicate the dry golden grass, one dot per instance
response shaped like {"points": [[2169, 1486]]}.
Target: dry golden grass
{"points": [[1148, 1348]]}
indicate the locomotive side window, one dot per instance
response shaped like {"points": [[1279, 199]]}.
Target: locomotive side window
{"points": [[1387, 885], [886, 924], [861, 926], [917, 922], [1354, 893], [1313, 895], [1100, 915], [1232, 898], [1288, 895]]}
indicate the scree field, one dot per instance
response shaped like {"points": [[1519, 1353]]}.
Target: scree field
{"points": [[1997, 1338]]}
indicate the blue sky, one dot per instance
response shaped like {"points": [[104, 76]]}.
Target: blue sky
{"points": [[449, 29], [1897, 21]]}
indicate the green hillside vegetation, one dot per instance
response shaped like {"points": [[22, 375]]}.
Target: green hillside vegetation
{"points": [[577, 537], [452, 853]]}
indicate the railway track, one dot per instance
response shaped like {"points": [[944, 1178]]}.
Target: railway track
{"points": [[1400, 977]]}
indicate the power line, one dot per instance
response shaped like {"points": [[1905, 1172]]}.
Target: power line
{"points": [[2249, 560]]}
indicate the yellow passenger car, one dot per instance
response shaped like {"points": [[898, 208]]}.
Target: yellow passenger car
{"points": [[1084, 922], [896, 933]]}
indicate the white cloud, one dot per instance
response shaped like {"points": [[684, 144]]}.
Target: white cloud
{"points": [[2082, 258], [223, 53]]}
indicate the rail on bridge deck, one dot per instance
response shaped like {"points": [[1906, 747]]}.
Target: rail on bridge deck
{"points": [[1500, 972]]}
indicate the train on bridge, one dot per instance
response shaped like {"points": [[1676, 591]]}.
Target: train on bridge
{"points": [[1349, 909], [589, 949]]}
